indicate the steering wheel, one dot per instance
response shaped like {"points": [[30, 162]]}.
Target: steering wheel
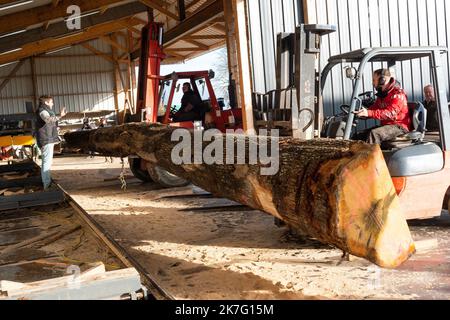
{"points": [[366, 94], [173, 111], [367, 98], [345, 108]]}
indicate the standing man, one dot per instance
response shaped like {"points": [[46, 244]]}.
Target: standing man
{"points": [[391, 108], [47, 135], [431, 106]]}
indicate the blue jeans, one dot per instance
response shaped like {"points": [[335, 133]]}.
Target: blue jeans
{"points": [[47, 161]]}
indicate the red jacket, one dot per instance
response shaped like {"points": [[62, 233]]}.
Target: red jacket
{"points": [[392, 109]]}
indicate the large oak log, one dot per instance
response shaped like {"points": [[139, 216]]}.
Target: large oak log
{"points": [[339, 192]]}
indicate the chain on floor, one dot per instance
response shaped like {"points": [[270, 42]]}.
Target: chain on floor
{"points": [[122, 176]]}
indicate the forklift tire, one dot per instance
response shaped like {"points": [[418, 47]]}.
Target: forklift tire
{"points": [[165, 178], [135, 166]]}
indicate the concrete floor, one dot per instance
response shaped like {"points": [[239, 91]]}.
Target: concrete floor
{"points": [[200, 253]]}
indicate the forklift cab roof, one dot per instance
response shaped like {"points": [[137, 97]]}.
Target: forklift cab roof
{"points": [[391, 55], [385, 54]]}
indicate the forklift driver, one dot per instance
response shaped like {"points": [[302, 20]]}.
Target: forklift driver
{"points": [[190, 106], [391, 108]]}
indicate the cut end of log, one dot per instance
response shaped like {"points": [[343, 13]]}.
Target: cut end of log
{"points": [[369, 212]]}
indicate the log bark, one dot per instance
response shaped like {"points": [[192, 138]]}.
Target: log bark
{"points": [[339, 192]]}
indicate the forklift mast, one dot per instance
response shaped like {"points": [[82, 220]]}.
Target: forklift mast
{"points": [[149, 70], [295, 106]]}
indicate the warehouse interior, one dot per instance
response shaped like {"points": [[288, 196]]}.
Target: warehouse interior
{"points": [[92, 68], [129, 232]]}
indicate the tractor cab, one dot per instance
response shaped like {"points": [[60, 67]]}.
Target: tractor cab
{"points": [[418, 160], [207, 112], [171, 94]]}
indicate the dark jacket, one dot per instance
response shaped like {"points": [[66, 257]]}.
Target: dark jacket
{"points": [[46, 132], [432, 115], [190, 98]]}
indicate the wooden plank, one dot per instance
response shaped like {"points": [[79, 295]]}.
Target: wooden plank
{"points": [[131, 72], [31, 200], [123, 81], [187, 49], [244, 86], [203, 6], [39, 238], [219, 28], [115, 44], [181, 10], [116, 80], [11, 287], [204, 37], [194, 22], [34, 83], [133, 29], [39, 47], [175, 54], [191, 25], [23, 19], [24, 289], [98, 52], [159, 5], [309, 11], [197, 43]]}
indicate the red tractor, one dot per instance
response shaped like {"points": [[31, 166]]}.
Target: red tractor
{"points": [[156, 102]]}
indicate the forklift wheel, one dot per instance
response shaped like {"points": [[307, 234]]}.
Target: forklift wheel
{"points": [[165, 178], [135, 166]]}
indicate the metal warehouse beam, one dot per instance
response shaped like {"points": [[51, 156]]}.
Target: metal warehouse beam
{"points": [[23, 19], [60, 28], [40, 47]]}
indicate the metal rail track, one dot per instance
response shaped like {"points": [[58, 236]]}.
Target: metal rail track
{"points": [[155, 290]]}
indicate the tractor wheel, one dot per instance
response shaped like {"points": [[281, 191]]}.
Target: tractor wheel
{"points": [[138, 172], [165, 178]]}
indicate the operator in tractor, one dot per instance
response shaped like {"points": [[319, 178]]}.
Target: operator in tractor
{"points": [[430, 104], [390, 107], [191, 109]]}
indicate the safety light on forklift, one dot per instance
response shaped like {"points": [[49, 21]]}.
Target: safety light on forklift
{"points": [[399, 184]]}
